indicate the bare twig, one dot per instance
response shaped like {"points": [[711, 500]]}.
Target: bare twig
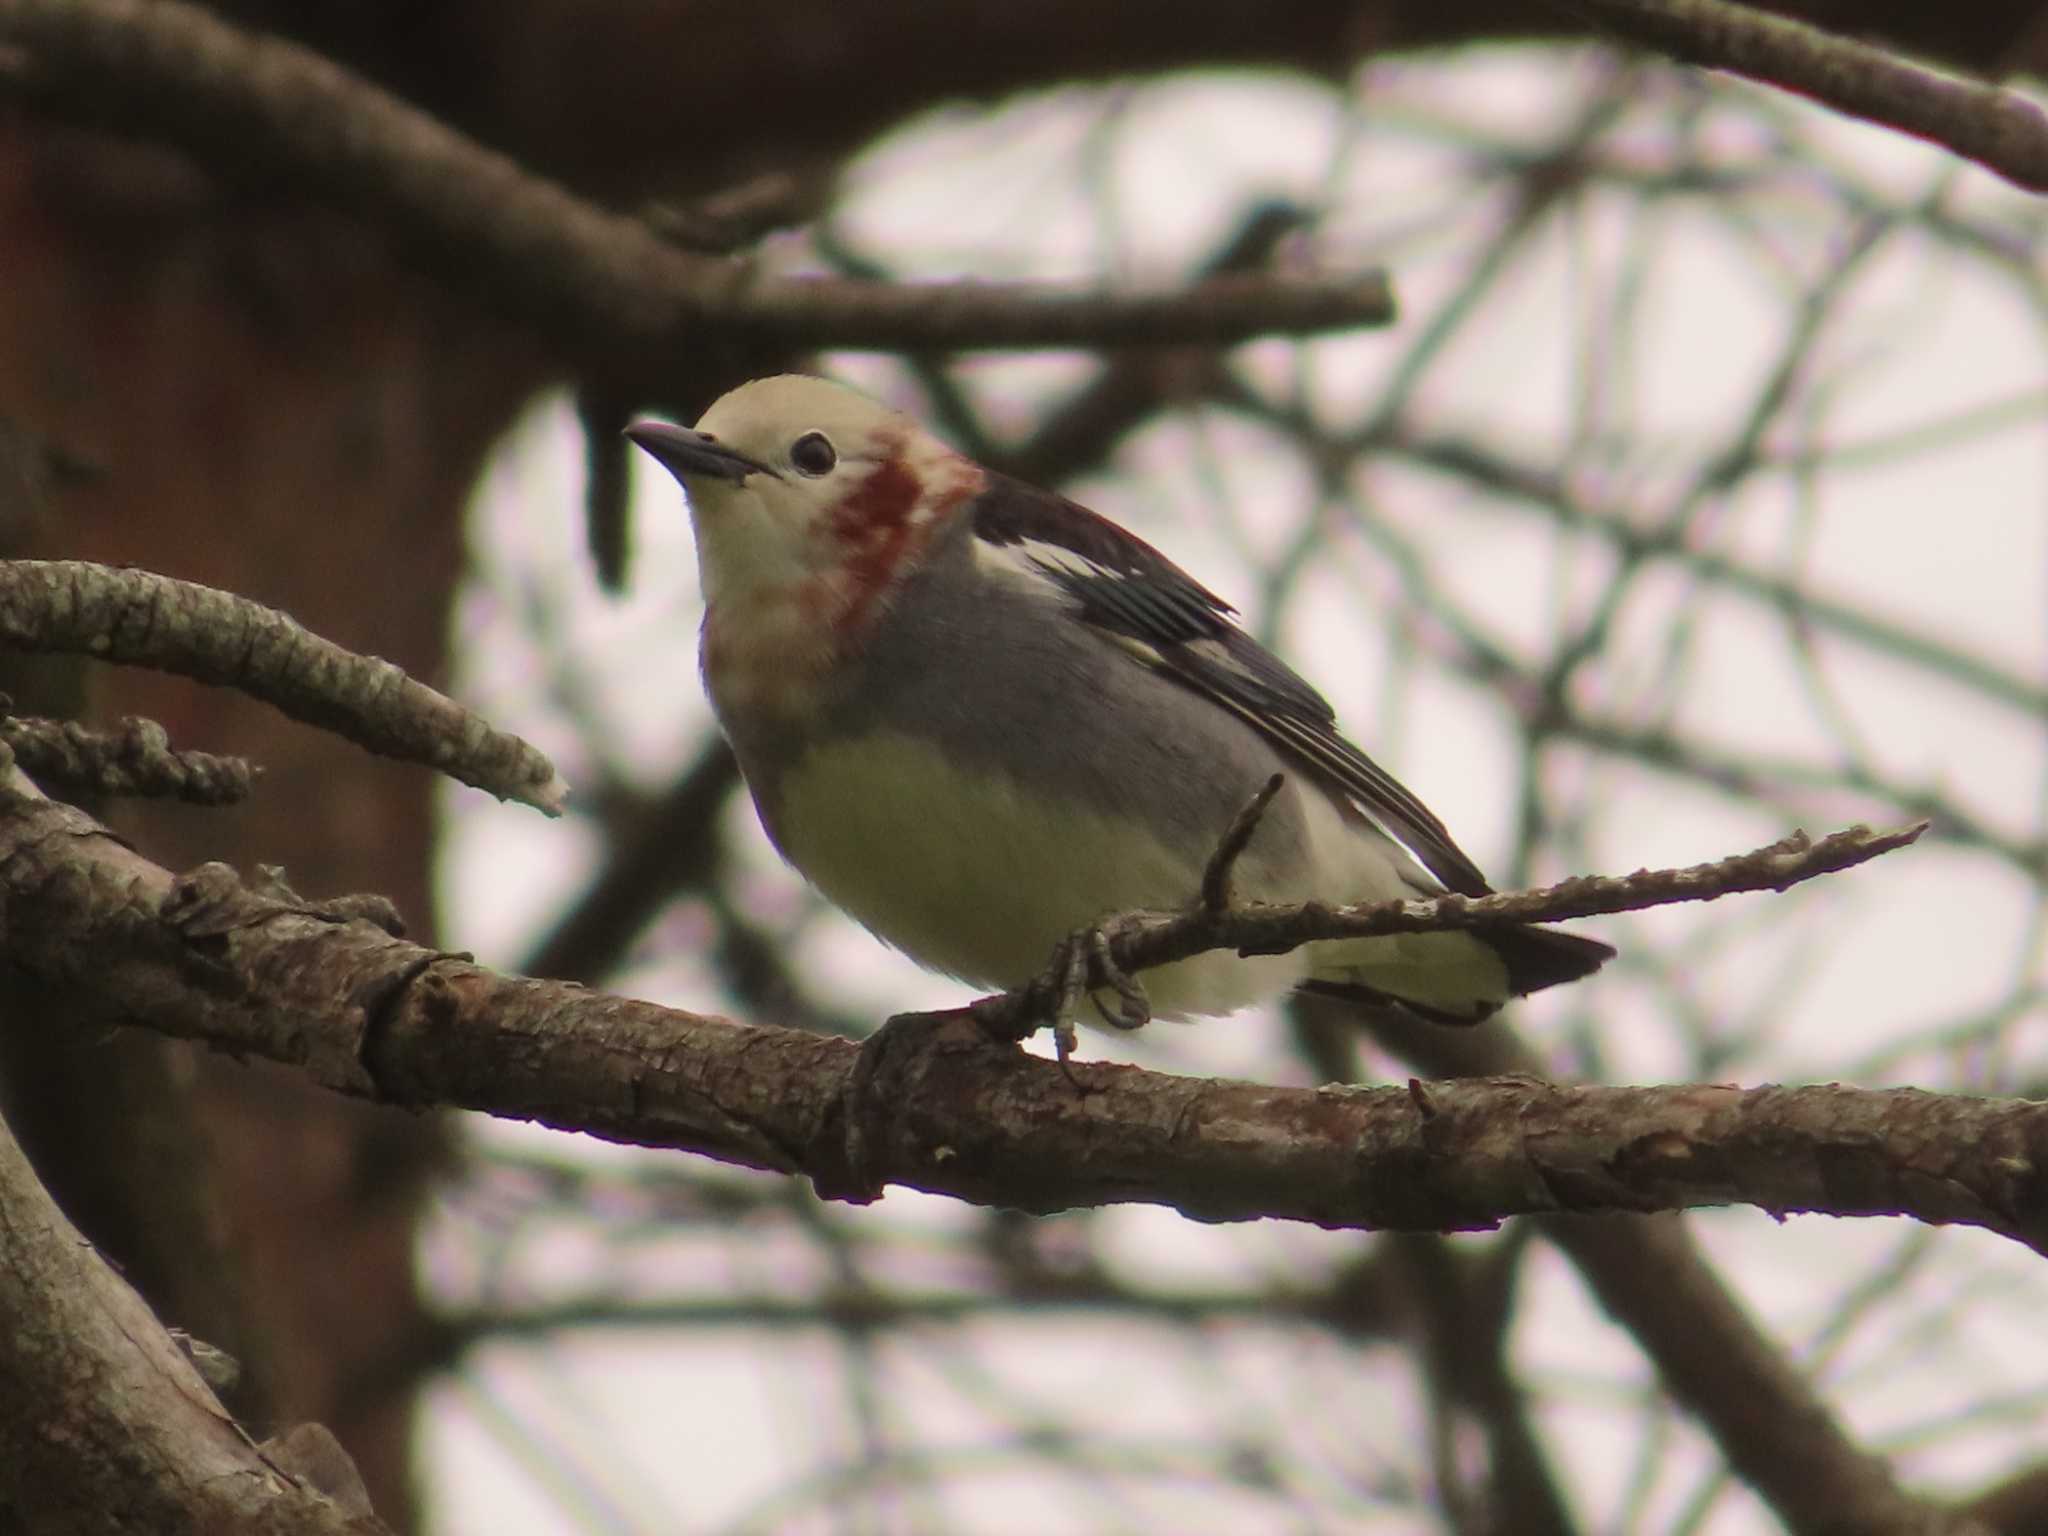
{"points": [[1999, 129], [597, 280], [738, 216], [1551, 493], [1133, 386], [1216, 877], [1140, 941], [146, 620], [137, 759]]}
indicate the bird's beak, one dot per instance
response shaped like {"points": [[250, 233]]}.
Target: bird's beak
{"points": [[684, 453]]}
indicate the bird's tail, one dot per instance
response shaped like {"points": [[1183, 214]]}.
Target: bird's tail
{"points": [[1544, 957], [1458, 977]]}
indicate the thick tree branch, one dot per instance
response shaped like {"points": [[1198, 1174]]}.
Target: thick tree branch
{"points": [[1999, 129], [603, 283], [104, 1423], [206, 958], [147, 620]]}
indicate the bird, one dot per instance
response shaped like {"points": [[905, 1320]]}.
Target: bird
{"points": [[980, 718]]}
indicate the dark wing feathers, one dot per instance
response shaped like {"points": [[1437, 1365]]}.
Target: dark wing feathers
{"points": [[1123, 585]]}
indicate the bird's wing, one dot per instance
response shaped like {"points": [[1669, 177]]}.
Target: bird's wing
{"points": [[1114, 580]]}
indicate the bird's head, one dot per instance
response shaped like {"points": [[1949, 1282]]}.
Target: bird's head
{"points": [[804, 490]]}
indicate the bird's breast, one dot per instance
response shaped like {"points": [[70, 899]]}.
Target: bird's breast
{"points": [[768, 653]]}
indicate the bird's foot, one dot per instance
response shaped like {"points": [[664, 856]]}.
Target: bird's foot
{"points": [[1100, 969], [1083, 964]]}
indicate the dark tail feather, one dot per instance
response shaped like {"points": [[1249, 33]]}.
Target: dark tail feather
{"points": [[1373, 1000], [1535, 957], [1543, 957]]}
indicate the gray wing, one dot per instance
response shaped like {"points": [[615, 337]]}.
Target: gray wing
{"points": [[1122, 585]]}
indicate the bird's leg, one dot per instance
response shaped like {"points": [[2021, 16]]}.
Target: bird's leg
{"points": [[1069, 974], [1083, 964], [1134, 1008], [1086, 959]]}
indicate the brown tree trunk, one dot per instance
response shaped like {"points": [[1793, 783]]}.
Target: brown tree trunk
{"points": [[275, 407]]}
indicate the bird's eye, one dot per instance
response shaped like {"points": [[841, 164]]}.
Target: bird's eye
{"points": [[813, 454]]}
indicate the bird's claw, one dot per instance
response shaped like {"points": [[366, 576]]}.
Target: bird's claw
{"points": [[1085, 963], [1134, 1008]]}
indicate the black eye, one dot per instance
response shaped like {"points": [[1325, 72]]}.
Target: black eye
{"points": [[813, 454]]}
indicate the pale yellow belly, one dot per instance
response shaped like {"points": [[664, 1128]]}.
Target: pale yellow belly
{"points": [[978, 878]]}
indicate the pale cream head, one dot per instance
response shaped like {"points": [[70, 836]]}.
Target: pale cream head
{"points": [[824, 451]]}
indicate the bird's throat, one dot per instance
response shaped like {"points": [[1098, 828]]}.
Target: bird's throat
{"points": [[769, 652]]}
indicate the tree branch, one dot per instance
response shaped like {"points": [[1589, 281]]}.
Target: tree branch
{"points": [[1140, 941], [105, 1424], [147, 620], [137, 759], [1999, 129], [205, 958], [602, 283]]}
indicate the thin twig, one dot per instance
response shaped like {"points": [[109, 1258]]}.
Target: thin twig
{"points": [[135, 759], [1775, 867], [1140, 941], [1999, 129], [146, 620], [740, 215], [1216, 877]]}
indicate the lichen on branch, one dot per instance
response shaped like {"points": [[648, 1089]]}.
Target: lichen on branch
{"points": [[142, 619]]}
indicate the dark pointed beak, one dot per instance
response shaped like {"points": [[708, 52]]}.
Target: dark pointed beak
{"points": [[684, 453]]}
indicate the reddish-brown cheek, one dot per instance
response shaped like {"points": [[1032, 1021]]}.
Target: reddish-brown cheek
{"points": [[874, 529], [884, 499]]}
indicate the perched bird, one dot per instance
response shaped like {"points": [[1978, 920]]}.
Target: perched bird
{"points": [[979, 717]]}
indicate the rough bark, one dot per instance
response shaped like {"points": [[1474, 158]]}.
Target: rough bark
{"points": [[105, 1422]]}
